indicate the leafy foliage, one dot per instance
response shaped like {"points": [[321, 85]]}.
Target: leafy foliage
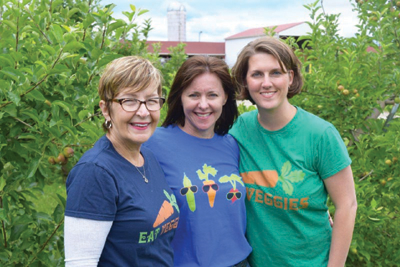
{"points": [[52, 54], [350, 82]]}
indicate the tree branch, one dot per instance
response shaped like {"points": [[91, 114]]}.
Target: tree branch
{"points": [[362, 178], [47, 241], [37, 26], [3, 226], [37, 84]]}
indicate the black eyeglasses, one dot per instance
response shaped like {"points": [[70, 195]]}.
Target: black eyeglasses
{"points": [[185, 190], [133, 104], [230, 195], [207, 187]]}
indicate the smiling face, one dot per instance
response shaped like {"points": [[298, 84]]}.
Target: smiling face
{"points": [[131, 129], [267, 83], [202, 103]]}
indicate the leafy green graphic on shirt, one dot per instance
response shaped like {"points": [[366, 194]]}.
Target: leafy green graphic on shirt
{"points": [[189, 190], [288, 177], [233, 194], [209, 186]]}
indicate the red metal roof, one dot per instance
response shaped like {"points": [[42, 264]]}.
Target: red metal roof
{"points": [[191, 48], [260, 31]]}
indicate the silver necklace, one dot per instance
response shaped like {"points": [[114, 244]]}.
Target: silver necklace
{"points": [[143, 175]]}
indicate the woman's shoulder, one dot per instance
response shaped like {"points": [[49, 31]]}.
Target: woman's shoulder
{"points": [[102, 154], [313, 121]]}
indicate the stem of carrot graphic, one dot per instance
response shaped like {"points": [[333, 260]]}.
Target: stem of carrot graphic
{"points": [[211, 192]]}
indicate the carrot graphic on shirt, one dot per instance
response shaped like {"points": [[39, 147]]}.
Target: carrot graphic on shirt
{"points": [[209, 186], [166, 209], [288, 177], [233, 194]]}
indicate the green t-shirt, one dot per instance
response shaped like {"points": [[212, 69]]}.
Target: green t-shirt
{"points": [[287, 219]]}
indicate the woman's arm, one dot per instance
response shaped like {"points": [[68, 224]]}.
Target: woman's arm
{"points": [[341, 190], [84, 241]]}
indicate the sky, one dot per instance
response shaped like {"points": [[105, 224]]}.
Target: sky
{"points": [[219, 19]]}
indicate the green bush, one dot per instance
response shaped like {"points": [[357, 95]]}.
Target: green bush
{"points": [[52, 54], [350, 87]]}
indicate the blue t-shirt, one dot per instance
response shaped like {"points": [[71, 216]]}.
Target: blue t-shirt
{"points": [[204, 176], [105, 186]]}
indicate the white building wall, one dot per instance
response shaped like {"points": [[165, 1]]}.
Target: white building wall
{"points": [[299, 30], [233, 47]]}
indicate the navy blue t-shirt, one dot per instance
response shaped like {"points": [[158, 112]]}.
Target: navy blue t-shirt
{"points": [[105, 186]]}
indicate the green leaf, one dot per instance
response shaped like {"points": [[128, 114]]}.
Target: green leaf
{"points": [[58, 213], [72, 12], [37, 95], [10, 24], [373, 203], [11, 109], [43, 216], [113, 26], [286, 168], [6, 61], [73, 46], [83, 114], [287, 187], [26, 136], [373, 219], [295, 176], [65, 106], [17, 230], [57, 32], [14, 97], [107, 59], [12, 73], [62, 200], [58, 69], [33, 166], [143, 11]]}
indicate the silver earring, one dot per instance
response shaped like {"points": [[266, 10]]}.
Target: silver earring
{"points": [[108, 124]]}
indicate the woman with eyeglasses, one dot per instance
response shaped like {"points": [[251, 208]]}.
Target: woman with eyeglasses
{"points": [[120, 210], [200, 161]]}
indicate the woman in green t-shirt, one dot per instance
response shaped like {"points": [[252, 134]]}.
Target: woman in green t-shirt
{"points": [[290, 161]]}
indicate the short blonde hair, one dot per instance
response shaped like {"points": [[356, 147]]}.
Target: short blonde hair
{"points": [[128, 72]]}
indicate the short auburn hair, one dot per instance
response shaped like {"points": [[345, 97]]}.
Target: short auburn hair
{"points": [[279, 50]]}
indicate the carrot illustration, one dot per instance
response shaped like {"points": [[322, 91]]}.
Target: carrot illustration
{"points": [[164, 213], [166, 209], [234, 193], [209, 186]]}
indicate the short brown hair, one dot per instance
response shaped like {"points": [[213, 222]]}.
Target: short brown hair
{"points": [[128, 72], [278, 49], [190, 69]]}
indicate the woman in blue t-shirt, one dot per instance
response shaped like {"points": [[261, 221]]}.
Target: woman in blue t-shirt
{"points": [[120, 211], [200, 161]]}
